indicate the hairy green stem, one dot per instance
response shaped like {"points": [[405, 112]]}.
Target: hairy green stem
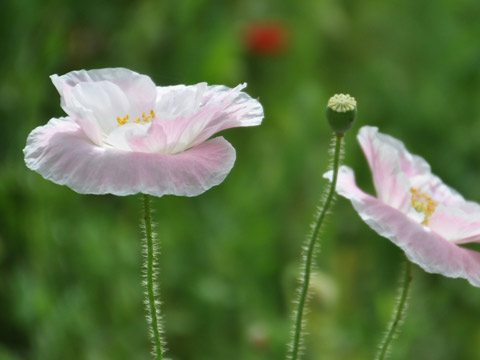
{"points": [[151, 302], [399, 312], [294, 351]]}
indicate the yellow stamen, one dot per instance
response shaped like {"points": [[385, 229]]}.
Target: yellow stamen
{"points": [[145, 119], [122, 121], [423, 203]]}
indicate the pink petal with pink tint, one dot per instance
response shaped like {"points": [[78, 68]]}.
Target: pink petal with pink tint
{"points": [[216, 108], [154, 141], [455, 224], [434, 187], [383, 154], [61, 152], [120, 137], [394, 168], [422, 246], [235, 109], [373, 142]]}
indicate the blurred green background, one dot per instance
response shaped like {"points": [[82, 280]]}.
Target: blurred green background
{"points": [[70, 264]]}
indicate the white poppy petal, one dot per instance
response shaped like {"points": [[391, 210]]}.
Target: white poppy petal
{"points": [[139, 89], [90, 126], [179, 100], [103, 99]]}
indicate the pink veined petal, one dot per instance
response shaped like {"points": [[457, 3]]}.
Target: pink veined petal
{"points": [[180, 132], [388, 157], [38, 140], [455, 224], [236, 109], [383, 154], [153, 141], [61, 152], [139, 89], [374, 141], [421, 245], [220, 108]]}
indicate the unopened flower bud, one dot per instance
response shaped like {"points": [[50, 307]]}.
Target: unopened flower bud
{"points": [[341, 113]]}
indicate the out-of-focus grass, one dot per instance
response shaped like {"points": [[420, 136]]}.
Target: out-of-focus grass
{"points": [[70, 264]]}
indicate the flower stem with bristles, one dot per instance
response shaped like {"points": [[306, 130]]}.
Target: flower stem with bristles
{"points": [[399, 313], [294, 347], [152, 303]]}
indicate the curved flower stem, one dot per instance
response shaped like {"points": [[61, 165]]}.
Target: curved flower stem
{"points": [[309, 255], [399, 312], [150, 275]]}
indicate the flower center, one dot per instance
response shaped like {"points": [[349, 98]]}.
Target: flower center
{"points": [[342, 103], [145, 119], [423, 203]]}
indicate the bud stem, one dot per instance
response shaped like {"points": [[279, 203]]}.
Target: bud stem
{"points": [[399, 313], [294, 351]]}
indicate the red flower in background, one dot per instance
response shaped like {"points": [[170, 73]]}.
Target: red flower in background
{"points": [[266, 38]]}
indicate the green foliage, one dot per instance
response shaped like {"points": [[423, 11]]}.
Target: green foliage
{"points": [[70, 265]]}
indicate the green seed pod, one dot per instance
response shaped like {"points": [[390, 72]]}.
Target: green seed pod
{"points": [[341, 113]]}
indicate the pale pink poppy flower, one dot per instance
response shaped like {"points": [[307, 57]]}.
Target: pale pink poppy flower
{"points": [[414, 209], [123, 135]]}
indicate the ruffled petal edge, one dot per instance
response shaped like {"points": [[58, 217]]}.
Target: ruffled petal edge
{"points": [[61, 152]]}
